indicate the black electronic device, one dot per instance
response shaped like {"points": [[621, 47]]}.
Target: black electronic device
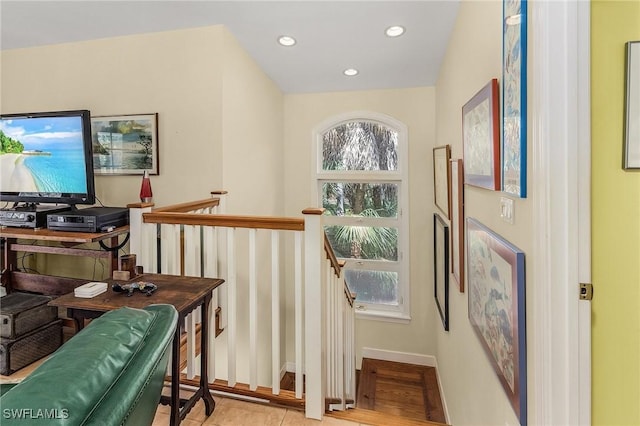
{"points": [[92, 219], [29, 216]]}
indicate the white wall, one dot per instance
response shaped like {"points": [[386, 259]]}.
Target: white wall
{"points": [[473, 58], [415, 108], [176, 74], [252, 135]]}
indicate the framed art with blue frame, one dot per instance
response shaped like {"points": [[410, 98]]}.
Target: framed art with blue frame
{"points": [[632, 107], [496, 288], [514, 97]]}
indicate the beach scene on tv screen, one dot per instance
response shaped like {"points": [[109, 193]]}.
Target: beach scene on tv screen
{"points": [[43, 154]]}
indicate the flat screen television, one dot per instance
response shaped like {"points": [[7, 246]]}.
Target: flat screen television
{"points": [[46, 157]]}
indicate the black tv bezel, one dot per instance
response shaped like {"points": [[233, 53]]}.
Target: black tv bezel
{"points": [[64, 198]]}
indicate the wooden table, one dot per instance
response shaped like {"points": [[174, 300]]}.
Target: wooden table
{"points": [[186, 294], [29, 238]]}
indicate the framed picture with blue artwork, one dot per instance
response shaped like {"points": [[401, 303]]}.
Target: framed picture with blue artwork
{"points": [[514, 97], [632, 107], [496, 288]]}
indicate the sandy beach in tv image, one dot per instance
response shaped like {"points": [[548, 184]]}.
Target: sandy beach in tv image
{"points": [[14, 175]]}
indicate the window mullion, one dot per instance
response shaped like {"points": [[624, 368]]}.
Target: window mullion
{"points": [[386, 222], [360, 177]]}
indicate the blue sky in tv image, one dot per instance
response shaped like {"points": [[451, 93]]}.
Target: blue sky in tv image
{"points": [[53, 156]]}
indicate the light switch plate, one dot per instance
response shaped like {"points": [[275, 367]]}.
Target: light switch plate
{"points": [[506, 209]]}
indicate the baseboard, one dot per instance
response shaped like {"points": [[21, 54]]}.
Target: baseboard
{"points": [[406, 357], [442, 397], [287, 367]]}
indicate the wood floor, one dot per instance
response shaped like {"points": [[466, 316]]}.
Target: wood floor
{"points": [[399, 389], [391, 393]]}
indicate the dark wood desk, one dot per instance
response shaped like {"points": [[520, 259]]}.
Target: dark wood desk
{"points": [[186, 294]]}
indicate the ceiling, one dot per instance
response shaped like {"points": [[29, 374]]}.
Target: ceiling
{"points": [[331, 35]]}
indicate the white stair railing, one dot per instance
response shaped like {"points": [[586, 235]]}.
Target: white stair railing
{"points": [[196, 239], [340, 326]]}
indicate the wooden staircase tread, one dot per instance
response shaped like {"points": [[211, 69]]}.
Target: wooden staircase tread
{"points": [[377, 418]]}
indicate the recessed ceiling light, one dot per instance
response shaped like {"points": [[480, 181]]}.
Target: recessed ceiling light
{"points": [[350, 72], [394, 31], [286, 40]]}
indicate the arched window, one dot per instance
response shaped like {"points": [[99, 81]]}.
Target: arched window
{"points": [[361, 181]]}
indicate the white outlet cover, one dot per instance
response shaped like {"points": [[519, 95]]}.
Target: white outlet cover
{"points": [[506, 209]]}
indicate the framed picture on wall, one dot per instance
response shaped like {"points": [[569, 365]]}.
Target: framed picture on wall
{"points": [[441, 268], [457, 223], [481, 138], [496, 291], [125, 144], [632, 107], [514, 97], [441, 172]]}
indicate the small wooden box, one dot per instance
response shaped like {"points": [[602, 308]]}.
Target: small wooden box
{"points": [[18, 353], [21, 313]]}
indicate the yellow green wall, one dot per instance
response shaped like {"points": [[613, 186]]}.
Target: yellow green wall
{"points": [[616, 223]]}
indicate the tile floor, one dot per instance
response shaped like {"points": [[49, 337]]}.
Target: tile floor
{"points": [[232, 412]]}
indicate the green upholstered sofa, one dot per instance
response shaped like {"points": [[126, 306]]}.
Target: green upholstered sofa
{"points": [[110, 373]]}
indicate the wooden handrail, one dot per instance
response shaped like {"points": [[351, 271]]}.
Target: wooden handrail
{"points": [[313, 210], [189, 206], [179, 214], [331, 255], [229, 221], [337, 266]]}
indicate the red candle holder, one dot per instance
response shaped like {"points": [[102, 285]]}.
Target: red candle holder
{"points": [[146, 195]]}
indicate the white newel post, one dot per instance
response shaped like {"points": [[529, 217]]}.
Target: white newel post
{"points": [[136, 234], [314, 345]]}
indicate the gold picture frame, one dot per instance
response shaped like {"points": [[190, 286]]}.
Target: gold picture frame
{"points": [[441, 172]]}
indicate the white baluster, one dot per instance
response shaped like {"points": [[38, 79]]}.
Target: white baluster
{"points": [[298, 313], [191, 251], [150, 245], [210, 265], [275, 312], [253, 313], [190, 328], [170, 249], [340, 302], [329, 332], [231, 308]]}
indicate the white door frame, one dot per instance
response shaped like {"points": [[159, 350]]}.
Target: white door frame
{"points": [[560, 182]]}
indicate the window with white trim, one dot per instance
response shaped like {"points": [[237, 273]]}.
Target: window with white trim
{"points": [[361, 182]]}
